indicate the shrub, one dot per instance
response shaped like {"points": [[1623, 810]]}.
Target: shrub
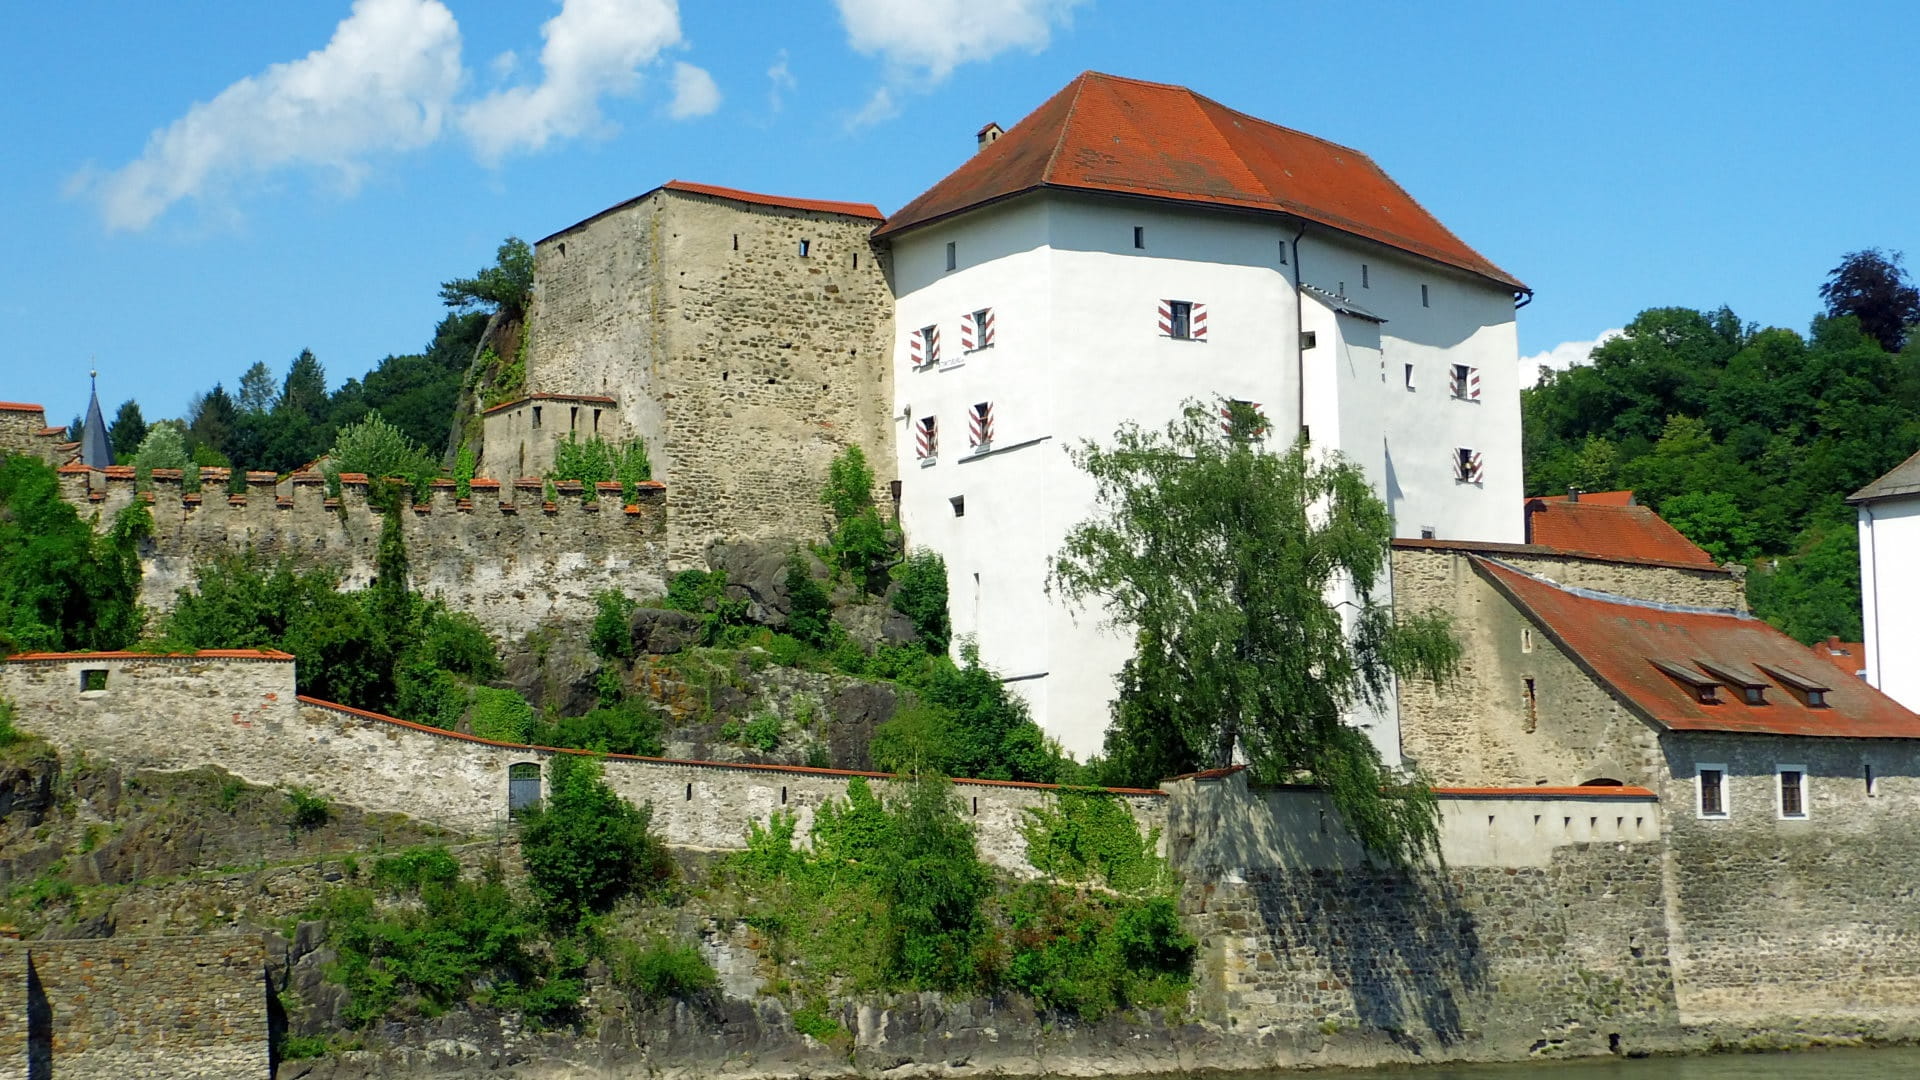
{"points": [[597, 461], [612, 635], [1089, 836], [920, 593], [413, 870], [464, 467], [704, 593], [309, 810], [630, 727], [1087, 955], [810, 615], [763, 731], [8, 733], [660, 970], [380, 450], [861, 543], [933, 882], [586, 847], [300, 1047], [229, 794], [501, 715], [966, 724]]}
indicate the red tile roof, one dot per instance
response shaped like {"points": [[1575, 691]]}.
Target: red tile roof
{"points": [[1602, 498], [1609, 531], [1107, 134], [201, 654], [20, 406], [824, 206], [1489, 547], [1848, 656], [1618, 640]]}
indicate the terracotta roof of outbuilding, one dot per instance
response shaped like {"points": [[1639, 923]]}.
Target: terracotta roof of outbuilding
{"points": [[1108, 134], [20, 406], [1602, 498], [1902, 479], [1611, 531], [1617, 640]]}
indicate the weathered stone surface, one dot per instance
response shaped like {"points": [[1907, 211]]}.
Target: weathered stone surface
{"points": [[555, 669], [875, 623], [661, 631], [757, 573]]}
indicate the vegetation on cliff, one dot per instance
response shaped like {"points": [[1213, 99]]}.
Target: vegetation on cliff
{"points": [[1220, 557], [1748, 440], [62, 585]]}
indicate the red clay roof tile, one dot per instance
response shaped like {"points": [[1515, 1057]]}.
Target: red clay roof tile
{"points": [[1602, 498], [1107, 134], [825, 206], [1614, 531], [1617, 640], [20, 406], [1848, 656]]}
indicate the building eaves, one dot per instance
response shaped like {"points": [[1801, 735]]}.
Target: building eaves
{"points": [[1488, 547], [866, 211], [1903, 479]]}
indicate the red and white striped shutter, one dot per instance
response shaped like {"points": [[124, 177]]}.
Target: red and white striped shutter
{"points": [[916, 349], [1166, 317], [986, 327], [1197, 322], [928, 441], [982, 425], [933, 345], [1473, 468], [1226, 418], [1473, 383], [1453, 382], [966, 332]]}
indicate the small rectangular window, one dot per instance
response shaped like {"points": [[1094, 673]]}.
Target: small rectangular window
{"points": [[953, 255], [927, 440], [924, 346], [1793, 791], [1464, 382], [1409, 376], [736, 241], [93, 679], [536, 416], [976, 330], [980, 427], [1139, 236], [1466, 465], [1712, 785], [1423, 297], [1241, 420], [1283, 253], [1309, 339], [805, 247], [1366, 277], [959, 504], [573, 419], [596, 421], [1176, 318], [1866, 773], [1533, 708], [1428, 532]]}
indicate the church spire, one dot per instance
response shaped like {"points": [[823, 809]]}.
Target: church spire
{"points": [[95, 451]]}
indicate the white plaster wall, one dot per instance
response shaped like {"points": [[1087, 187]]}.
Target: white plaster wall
{"points": [[1890, 596], [1078, 352]]}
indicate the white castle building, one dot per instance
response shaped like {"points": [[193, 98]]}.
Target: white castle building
{"points": [[1889, 514], [1132, 245]]}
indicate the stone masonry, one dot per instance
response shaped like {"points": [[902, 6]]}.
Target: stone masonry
{"points": [[24, 430], [747, 343], [504, 555]]}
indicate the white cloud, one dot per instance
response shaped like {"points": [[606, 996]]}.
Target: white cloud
{"points": [[878, 107], [594, 48], [694, 92], [1562, 356], [781, 82], [384, 82], [929, 38]]}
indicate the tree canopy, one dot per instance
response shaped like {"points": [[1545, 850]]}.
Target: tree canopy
{"points": [[506, 286], [1872, 286], [62, 586], [1221, 558]]}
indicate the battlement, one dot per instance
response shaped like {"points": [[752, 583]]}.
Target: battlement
{"points": [[24, 430], [505, 553]]}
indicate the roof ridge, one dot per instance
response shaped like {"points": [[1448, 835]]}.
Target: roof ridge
{"points": [[1617, 598], [1066, 123]]}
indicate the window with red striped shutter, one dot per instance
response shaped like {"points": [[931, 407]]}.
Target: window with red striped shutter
{"points": [[980, 427], [976, 330], [1464, 382], [1467, 465], [1183, 320], [927, 440]]}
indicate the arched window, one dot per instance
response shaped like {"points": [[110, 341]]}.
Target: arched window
{"points": [[1602, 781], [523, 786]]}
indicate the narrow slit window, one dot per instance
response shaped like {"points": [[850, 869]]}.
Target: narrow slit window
{"points": [[1366, 276], [1139, 236], [1533, 708], [1423, 297], [1283, 253], [536, 416], [1712, 784], [953, 255], [806, 248], [980, 427], [1793, 791], [736, 241], [1866, 773], [1409, 376], [959, 504]]}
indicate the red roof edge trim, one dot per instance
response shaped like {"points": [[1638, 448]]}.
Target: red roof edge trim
{"points": [[122, 654], [21, 406], [1494, 548], [736, 765], [1597, 792], [824, 206]]}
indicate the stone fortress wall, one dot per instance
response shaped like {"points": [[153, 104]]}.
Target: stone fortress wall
{"points": [[1300, 935], [745, 339], [504, 555], [191, 1008], [24, 430]]}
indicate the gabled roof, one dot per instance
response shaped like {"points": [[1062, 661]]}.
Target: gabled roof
{"points": [[1609, 531], [1622, 642], [1902, 479], [1107, 134], [752, 198]]}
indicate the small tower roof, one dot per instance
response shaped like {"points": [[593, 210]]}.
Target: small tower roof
{"points": [[95, 451]]}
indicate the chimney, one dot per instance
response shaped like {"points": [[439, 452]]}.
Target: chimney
{"points": [[987, 135], [1573, 493]]}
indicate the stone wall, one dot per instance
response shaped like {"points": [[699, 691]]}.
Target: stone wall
{"points": [[23, 430], [193, 1008], [520, 438], [745, 365], [1519, 710], [505, 555], [1689, 586], [1797, 925], [241, 715]]}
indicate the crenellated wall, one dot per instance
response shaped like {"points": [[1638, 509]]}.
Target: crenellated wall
{"points": [[24, 430], [505, 555]]}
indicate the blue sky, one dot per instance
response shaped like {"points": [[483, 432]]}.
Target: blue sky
{"points": [[191, 187]]}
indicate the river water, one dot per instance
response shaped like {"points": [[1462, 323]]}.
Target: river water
{"points": [[1889, 1064]]}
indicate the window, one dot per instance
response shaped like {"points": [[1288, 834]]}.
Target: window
{"points": [[1283, 253], [93, 679], [536, 416], [927, 440], [1793, 790], [953, 255], [573, 419], [1366, 277], [1139, 236], [976, 330], [980, 427], [805, 247], [1428, 532], [1409, 376], [1866, 773], [1711, 780], [1526, 639], [1467, 465], [1533, 708], [523, 787], [736, 241], [1241, 420], [1423, 297], [959, 504], [596, 421], [1183, 320], [1309, 339], [1464, 382], [924, 346]]}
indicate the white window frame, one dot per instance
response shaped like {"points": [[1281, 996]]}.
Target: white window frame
{"points": [[1700, 792], [1780, 793]]}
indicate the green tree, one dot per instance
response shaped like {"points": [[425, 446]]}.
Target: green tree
{"points": [[506, 286], [1219, 557], [164, 447], [586, 847], [211, 418], [1872, 286], [861, 542], [379, 450], [257, 390], [920, 593], [126, 431], [62, 586]]}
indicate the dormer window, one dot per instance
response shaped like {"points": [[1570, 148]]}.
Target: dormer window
{"points": [[1811, 692], [1705, 690], [1752, 688]]}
